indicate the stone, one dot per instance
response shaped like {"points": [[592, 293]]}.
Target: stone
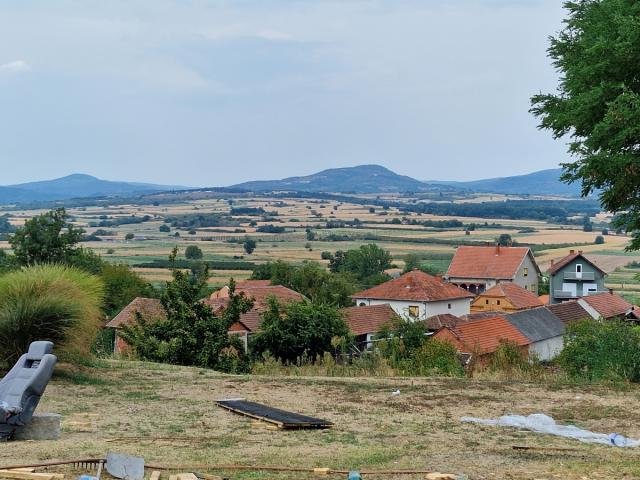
{"points": [[43, 426]]}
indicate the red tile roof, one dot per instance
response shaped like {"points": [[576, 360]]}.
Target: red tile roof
{"points": [[569, 311], [485, 335], [368, 319], [516, 295], [150, 309], [416, 286], [487, 262], [608, 305], [260, 294], [557, 265], [544, 298], [436, 322]]}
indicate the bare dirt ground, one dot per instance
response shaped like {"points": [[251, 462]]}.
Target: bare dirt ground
{"points": [[127, 406]]}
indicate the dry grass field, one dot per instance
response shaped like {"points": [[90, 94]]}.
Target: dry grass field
{"points": [[434, 245], [166, 414]]}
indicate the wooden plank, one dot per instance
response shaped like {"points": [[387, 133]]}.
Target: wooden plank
{"points": [[187, 476], [18, 475], [155, 475]]}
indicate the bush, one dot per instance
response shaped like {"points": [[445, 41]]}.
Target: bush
{"points": [[193, 252], [596, 350], [49, 302], [599, 240], [435, 357], [299, 329]]}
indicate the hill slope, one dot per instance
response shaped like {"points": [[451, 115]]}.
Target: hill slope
{"points": [[74, 186], [360, 179], [543, 182]]}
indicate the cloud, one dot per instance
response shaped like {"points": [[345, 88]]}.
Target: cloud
{"points": [[16, 66], [274, 35]]}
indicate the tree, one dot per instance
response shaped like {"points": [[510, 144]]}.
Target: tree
{"points": [[193, 252], [504, 240], [411, 262], [49, 302], [249, 245], [299, 329], [164, 228], [191, 333], [121, 286], [46, 238], [587, 226], [311, 235], [597, 104], [129, 236], [599, 240]]}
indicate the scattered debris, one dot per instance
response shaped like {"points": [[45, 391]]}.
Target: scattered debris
{"points": [[395, 393], [281, 418], [125, 467], [541, 423]]}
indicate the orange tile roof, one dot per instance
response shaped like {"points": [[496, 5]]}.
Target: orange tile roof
{"points": [[260, 294], [568, 312], [150, 309], [557, 265], [485, 335], [516, 295], [544, 298], [608, 305], [487, 262], [416, 286], [368, 319], [436, 322]]}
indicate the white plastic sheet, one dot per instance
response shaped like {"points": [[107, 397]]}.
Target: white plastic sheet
{"points": [[541, 423]]}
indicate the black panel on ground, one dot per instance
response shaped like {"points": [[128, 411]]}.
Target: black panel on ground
{"points": [[282, 418]]}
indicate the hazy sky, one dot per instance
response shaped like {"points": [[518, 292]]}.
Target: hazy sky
{"points": [[207, 93]]}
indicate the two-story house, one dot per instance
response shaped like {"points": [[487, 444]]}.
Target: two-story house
{"points": [[574, 276], [417, 296], [477, 269]]}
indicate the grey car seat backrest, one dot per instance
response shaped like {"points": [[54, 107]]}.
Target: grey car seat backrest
{"points": [[22, 387]]}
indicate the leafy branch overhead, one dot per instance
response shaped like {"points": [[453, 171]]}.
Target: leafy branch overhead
{"points": [[597, 104]]}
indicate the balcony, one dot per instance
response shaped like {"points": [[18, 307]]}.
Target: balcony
{"points": [[580, 277], [563, 294]]}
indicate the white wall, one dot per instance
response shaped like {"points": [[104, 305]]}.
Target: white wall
{"points": [[547, 349], [459, 306]]}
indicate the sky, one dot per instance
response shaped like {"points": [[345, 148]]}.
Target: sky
{"points": [[212, 93]]}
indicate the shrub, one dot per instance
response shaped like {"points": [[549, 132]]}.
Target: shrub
{"points": [[193, 252], [602, 350], [599, 240], [435, 357], [49, 302], [299, 329]]}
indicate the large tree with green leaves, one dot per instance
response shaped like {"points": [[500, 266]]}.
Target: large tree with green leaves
{"points": [[46, 238], [597, 104]]}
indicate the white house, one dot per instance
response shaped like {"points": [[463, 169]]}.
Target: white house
{"points": [[417, 296]]}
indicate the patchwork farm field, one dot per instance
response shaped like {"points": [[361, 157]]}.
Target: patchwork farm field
{"points": [[132, 234], [167, 415]]}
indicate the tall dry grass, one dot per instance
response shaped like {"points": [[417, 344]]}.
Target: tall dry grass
{"points": [[49, 302]]}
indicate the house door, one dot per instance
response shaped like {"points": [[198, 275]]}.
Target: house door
{"points": [[570, 287]]}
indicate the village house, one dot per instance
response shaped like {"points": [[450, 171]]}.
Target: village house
{"points": [[416, 296], [478, 268], [574, 276], [608, 306], [537, 332], [505, 297], [249, 323], [568, 312], [365, 322]]}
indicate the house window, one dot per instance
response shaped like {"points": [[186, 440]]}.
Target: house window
{"points": [[362, 304], [449, 306], [498, 302], [486, 302], [578, 268], [414, 311], [526, 271]]}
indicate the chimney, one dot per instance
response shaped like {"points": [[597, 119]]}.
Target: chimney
{"points": [[552, 261], [571, 252], [488, 244], [497, 249], [580, 252], [611, 291]]}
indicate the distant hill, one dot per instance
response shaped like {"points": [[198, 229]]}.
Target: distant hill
{"points": [[75, 186], [543, 182], [360, 179]]}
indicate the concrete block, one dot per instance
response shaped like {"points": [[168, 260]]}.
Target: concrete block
{"points": [[43, 426]]}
